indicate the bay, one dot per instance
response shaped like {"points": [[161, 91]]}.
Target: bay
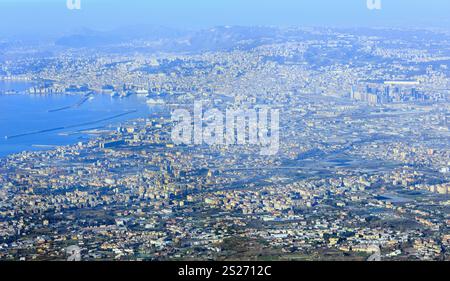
{"points": [[21, 114]]}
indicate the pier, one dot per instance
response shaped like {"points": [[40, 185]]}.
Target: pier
{"points": [[71, 126], [78, 104]]}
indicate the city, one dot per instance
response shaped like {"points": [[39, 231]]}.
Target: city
{"points": [[359, 169]]}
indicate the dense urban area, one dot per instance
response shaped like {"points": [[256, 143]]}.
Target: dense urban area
{"points": [[362, 171]]}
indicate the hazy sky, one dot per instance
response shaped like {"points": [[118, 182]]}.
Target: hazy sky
{"points": [[43, 17]]}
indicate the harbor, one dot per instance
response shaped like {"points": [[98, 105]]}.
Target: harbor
{"points": [[38, 122]]}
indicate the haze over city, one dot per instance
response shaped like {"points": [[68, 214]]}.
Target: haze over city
{"points": [[224, 130], [50, 17]]}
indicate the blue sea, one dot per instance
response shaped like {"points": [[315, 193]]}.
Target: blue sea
{"points": [[22, 114]]}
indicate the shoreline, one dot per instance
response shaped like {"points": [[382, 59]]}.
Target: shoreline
{"points": [[77, 129]]}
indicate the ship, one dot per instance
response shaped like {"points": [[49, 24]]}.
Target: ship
{"points": [[142, 92], [155, 102]]}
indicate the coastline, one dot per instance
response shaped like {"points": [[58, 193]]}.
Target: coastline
{"points": [[32, 113]]}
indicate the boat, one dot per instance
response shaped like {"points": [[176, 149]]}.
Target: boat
{"points": [[155, 102], [142, 92]]}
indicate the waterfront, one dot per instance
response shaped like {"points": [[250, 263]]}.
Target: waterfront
{"points": [[23, 113]]}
